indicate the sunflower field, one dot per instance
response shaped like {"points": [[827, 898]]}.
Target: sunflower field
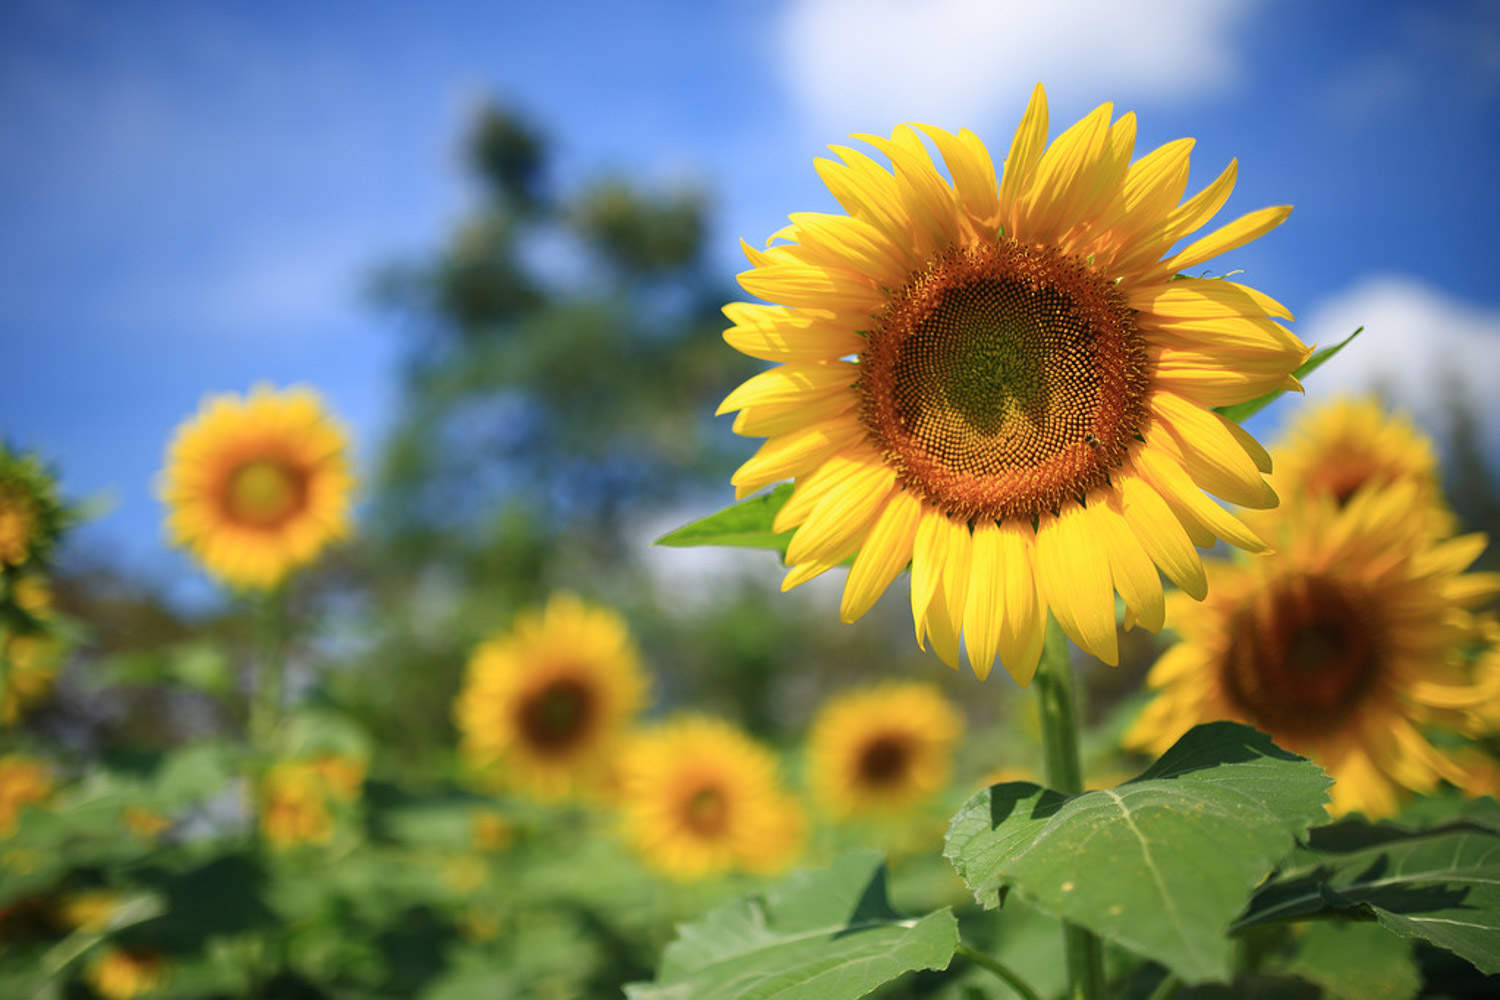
{"points": [[564, 688]]}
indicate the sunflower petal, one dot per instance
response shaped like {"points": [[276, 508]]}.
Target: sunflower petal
{"points": [[884, 554]]}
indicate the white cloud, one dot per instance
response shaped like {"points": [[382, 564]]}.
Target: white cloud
{"points": [[866, 63], [1417, 339]]}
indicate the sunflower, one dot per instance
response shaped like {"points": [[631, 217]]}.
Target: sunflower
{"points": [[1341, 446], [257, 486], [882, 750], [23, 781], [31, 516], [124, 973], [1339, 646], [546, 703], [294, 805], [1006, 384], [701, 798]]}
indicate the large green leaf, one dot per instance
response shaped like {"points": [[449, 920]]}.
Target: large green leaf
{"points": [[745, 525], [1162, 864], [827, 934], [1240, 412], [1441, 885]]}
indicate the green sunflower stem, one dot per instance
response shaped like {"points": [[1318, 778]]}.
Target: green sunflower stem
{"points": [[1054, 688], [266, 696], [1000, 969]]}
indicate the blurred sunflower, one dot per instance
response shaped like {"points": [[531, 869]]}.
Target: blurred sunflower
{"points": [[1335, 449], [701, 798], [294, 805], [257, 486], [30, 654], [882, 750], [1007, 385], [123, 973], [546, 703], [1339, 646], [23, 781], [31, 516]]}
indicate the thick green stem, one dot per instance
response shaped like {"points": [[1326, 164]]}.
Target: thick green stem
{"points": [[1000, 969], [266, 696], [1054, 688]]}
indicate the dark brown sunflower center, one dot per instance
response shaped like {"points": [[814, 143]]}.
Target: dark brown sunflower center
{"points": [[706, 811], [558, 716], [1340, 476], [1302, 654], [1003, 380], [884, 761], [263, 492]]}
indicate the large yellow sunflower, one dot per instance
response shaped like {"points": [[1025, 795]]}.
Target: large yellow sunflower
{"points": [[546, 704], [1338, 645], [882, 750], [700, 798], [1006, 385], [1343, 445], [257, 486]]}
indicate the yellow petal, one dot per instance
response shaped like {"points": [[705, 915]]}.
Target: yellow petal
{"points": [[842, 515], [1161, 534], [982, 606], [1132, 570], [811, 489], [795, 454], [791, 384], [1074, 571], [885, 553], [1211, 454], [1236, 234], [1023, 615], [1025, 151], [1163, 472], [929, 556]]}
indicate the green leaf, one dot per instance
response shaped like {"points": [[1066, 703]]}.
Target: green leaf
{"points": [[1356, 961], [1160, 865], [827, 934], [1240, 412], [745, 525], [1441, 885]]}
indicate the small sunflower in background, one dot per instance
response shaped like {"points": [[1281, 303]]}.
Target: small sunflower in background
{"points": [[31, 515], [31, 652], [544, 705], [24, 781], [258, 485], [701, 798], [1339, 447], [1339, 645], [126, 973], [882, 750], [1006, 383], [294, 805]]}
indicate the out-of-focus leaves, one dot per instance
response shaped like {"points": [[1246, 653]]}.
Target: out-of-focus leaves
{"points": [[641, 235], [1163, 863], [1240, 412], [1440, 885], [745, 525], [1355, 961], [827, 934]]}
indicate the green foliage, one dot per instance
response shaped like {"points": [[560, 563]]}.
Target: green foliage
{"points": [[745, 525], [828, 934], [1355, 961], [1240, 412], [1163, 863], [1440, 885]]}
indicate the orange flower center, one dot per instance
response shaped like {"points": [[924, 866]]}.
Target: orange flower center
{"points": [[1003, 380], [558, 716], [264, 492], [884, 761], [17, 521], [1302, 654], [706, 811]]}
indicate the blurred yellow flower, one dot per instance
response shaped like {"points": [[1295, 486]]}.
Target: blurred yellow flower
{"points": [[698, 798], [122, 974], [294, 805], [544, 705], [492, 831], [1338, 645], [1336, 449], [257, 486], [1006, 385], [882, 750], [144, 822], [89, 910], [23, 781], [31, 661], [343, 775]]}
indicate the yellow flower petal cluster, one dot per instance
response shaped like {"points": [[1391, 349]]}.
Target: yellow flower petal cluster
{"points": [[1339, 645], [294, 805], [1003, 383], [123, 974], [545, 705], [23, 781], [259, 485], [698, 798], [882, 750], [1347, 444]]}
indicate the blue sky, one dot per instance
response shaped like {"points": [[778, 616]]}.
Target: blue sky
{"points": [[192, 195]]}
